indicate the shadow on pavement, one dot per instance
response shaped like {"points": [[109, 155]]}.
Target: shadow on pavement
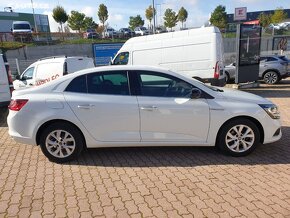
{"points": [[275, 153]]}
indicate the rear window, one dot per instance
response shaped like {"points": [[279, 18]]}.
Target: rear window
{"points": [[284, 58]]}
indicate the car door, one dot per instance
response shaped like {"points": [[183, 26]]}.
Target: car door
{"points": [[103, 104], [26, 79], [167, 113]]}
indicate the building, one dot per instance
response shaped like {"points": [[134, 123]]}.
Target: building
{"points": [[7, 18], [251, 16]]}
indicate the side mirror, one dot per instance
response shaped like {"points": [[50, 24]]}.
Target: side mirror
{"points": [[195, 93], [11, 29], [17, 77]]}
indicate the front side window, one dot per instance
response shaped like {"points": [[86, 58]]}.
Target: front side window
{"points": [[28, 74], [161, 85], [122, 59], [108, 83]]}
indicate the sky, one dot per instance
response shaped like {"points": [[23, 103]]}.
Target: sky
{"points": [[119, 11]]}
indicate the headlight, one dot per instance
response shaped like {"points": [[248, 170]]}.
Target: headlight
{"points": [[271, 110]]}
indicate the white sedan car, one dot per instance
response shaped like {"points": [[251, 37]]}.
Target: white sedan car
{"points": [[138, 106]]}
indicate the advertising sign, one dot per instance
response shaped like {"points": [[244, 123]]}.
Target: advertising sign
{"points": [[240, 14], [248, 58], [104, 52]]}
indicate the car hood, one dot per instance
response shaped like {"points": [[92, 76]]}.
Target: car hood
{"points": [[241, 96]]}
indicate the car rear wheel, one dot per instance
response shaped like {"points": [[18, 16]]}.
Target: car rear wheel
{"points": [[271, 77], [61, 142], [238, 137]]}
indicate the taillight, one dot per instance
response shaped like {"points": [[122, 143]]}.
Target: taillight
{"points": [[16, 105], [10, 80], [216, 74]]}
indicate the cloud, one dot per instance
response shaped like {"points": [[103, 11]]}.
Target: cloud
{"points": [[89, 11]]}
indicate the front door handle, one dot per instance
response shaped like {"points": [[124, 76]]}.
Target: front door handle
{"points": [[148, 108], [86, 106]]}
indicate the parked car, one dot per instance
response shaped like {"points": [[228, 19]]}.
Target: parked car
{"points": [[6, 86], [160, 30], [125, 32], [48, 69], [141, 31], [90, 34], [272, 69], [117, 106], [110, 32]]}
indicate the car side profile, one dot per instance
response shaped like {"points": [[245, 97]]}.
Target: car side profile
{"points": [[117, 106], [272, 69]]}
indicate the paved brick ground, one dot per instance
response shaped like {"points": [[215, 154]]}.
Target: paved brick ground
{"points": [[149, 182]]}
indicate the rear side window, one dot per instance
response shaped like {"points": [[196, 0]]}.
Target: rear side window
{"points": [[78, 84], [271, 59], [108, 83]]}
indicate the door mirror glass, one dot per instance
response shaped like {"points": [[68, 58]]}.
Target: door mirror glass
{"points": [[195, 93], [17, 77]]}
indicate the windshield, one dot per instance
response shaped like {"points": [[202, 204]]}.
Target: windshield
{"points": [[142, 28], [21, 26]]}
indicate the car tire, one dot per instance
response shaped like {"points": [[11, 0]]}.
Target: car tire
{"points": [[271, 77], [238, 137], [61, 142]]}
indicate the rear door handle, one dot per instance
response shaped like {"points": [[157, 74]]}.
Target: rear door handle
{"points": [[86, 106], [148, 108]]}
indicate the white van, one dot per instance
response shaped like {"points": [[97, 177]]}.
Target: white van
{"points": [[197, 53], [47, 69], [6, 86], [22, 31]]}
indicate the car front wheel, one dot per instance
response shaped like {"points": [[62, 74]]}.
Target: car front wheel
{"points": [[238, 137], [61, 142]]}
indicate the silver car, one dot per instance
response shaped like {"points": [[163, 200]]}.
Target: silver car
{"points": [[273, 68]]}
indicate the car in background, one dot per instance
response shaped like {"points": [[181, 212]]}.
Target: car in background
{"points": [[110, 33], [22, 31], [125, 33], [272, 69], [117, 106], [160, 30], [141, 31], [90, 34]]}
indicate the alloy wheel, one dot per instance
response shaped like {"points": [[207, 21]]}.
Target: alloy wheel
{"points": [[240, 138], [60, 143]]}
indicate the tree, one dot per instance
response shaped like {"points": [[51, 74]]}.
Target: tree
{"points": [[76, 20], [89, 24], [219, 17], [182, 16], [135, 22], [170, 18], [149, 13], [59, 15], [264, 19], [278, 16], [103, 13]]}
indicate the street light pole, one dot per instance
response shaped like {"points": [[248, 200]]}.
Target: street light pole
{"points": [[35, 24], [153, 16]]}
